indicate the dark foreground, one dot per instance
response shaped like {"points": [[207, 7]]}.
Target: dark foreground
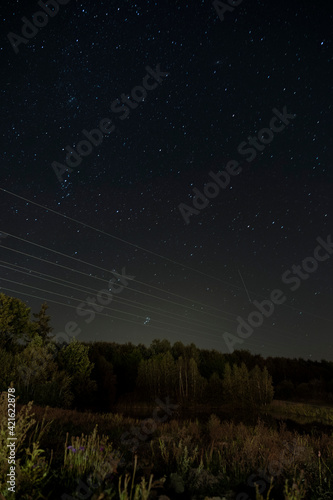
{"points": [[71, 454]]}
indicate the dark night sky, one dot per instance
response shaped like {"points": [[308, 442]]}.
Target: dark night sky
{"points": [[224, 79]]}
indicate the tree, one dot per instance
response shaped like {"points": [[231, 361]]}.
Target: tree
{"points": [[43, 327], [34, 367], [159, 346], [242, 385], [57, 391], [267, 387], [145, 378], [178, 349], [182, 377], [7, 371], [125, 359], [74, 360], [197, 383], [214, 392], [106, 383], [157, 376], [227, 384], [245, 389], [285, 390], [211, 361], [15, 325], [167, 370]]}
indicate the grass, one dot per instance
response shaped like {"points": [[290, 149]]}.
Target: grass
{"points": [[32, 469], [198, 459], [321, 414]]}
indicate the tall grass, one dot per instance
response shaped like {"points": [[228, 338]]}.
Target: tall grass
{"points": [[89, 456], [139, 492], [193, 458], [322, 414], [31, 466]]}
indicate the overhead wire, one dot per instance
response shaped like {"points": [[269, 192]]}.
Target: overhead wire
{"points": [[107, 270], [118, 239], [115, 297], [145, 293], [148, 251], [101, 279], [248, 343], [141, 248], [105, 307], [205, 325]]}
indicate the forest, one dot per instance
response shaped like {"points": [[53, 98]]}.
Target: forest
{"points": [[97, 376]]}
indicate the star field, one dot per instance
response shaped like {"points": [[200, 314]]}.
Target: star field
{"points": [[223, 81]]}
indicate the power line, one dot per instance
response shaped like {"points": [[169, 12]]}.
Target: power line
{"points": [[232, 321], [145, 293], [248, 343], [105, 307], [100, 313], [101, 279], [119, 239], [74, 307], [149, 251], [132, 244], [108, 271], [137, 304]]}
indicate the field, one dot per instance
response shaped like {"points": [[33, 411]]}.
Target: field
{"points": [[287, 450]]}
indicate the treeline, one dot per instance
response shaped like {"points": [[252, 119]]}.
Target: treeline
{"points": [[100, 375], [189, 373], [180, 372]]}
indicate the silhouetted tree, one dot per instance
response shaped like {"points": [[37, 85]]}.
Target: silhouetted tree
{"points": [[43, 328], [34, 367], [7, 371], [157, 376], [159, 346], [245, 389], [15, 325], [74, 360]]}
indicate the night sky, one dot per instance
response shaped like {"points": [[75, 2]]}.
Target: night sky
{"points": [[223, 79]]}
